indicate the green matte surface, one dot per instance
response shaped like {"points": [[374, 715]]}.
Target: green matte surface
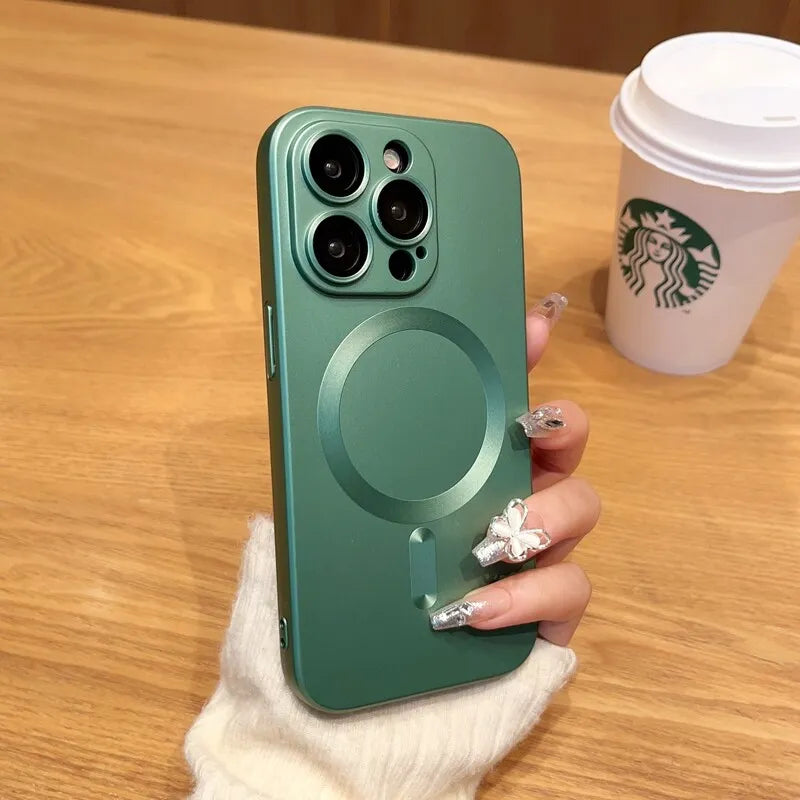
{"points": [[392, 411]]}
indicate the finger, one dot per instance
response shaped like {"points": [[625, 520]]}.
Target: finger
{"points": [[558, 455], [538, 324], [568, 511], [555, 597], [557, 519], [537, 332], [558, 553]]}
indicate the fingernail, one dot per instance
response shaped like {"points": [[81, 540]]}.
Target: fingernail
{"points": [[551, 307], [489, 551], [542, 422], [479, 606], [508, 538]]}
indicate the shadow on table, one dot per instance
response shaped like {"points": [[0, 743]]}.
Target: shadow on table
{"points": [[218, 474], [528, 757]]}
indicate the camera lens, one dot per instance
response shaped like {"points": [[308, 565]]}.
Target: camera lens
{"points": [[402, 209], [340, 246], [336, 165], [332, 169], [336, 248]]}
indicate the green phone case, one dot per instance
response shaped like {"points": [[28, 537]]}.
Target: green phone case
{"points": [[392, 408]]}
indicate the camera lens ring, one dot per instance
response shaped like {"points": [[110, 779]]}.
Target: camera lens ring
{"points": [[333, 236], [420, 230], [335, 166]]}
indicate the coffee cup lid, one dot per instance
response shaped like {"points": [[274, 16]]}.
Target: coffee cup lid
{"points": [[718, 108]]}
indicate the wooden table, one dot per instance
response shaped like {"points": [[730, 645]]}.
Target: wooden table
{"points": [[133, 438]]}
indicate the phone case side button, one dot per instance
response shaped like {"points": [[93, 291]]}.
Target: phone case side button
{"points": [[272, 358], [422, 563]]}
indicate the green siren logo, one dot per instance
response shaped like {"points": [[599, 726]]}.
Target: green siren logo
{"points": [[666, 252]]}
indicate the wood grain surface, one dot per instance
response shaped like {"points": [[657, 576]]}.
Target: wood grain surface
{"points": [[133, 439]]}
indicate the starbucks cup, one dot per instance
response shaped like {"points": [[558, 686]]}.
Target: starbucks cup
{"points": [[709, 196]]}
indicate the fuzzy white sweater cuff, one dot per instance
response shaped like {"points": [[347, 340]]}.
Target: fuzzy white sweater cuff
{"points": [[255, 740]]}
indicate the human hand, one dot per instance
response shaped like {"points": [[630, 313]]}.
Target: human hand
{"points": [[562, 510], [256, 740]]}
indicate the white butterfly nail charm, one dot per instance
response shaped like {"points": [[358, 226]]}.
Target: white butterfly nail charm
{"points": [[518, 543]]}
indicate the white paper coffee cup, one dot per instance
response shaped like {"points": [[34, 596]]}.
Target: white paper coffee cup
{"points": [[709, 196]]}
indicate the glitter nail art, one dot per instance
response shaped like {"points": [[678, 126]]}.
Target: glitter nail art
{"points": [[551, 307], [456, 615], [507, 540], [542, 422]]}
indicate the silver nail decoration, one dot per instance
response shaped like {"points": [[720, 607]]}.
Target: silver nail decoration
{"points": [[542, 422], [551, 307], [507, 539], [455, 615]]}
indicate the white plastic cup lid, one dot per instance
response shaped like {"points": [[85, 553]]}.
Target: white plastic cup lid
{"points": [[718, 108]]}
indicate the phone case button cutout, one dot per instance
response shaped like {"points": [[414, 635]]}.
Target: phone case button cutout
{"points": [[422, 562], [272, 359]]}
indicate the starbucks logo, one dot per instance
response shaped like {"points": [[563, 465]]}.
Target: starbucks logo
{"points": [[665, 252]]}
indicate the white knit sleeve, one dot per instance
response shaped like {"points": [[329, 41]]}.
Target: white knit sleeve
{"points": [[255, 740]]}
